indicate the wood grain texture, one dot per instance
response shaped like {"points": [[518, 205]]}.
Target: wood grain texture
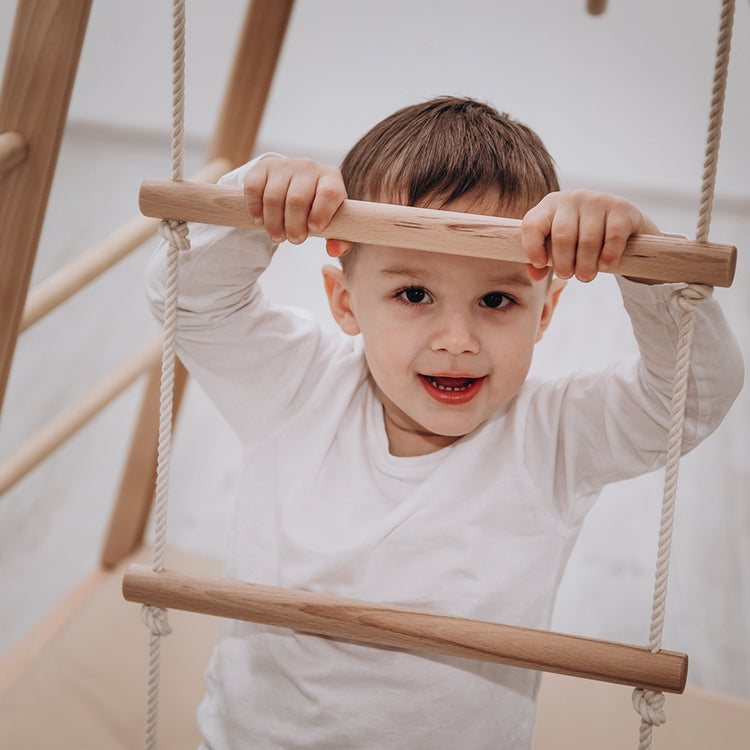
{"points": [[37, 83], [659, 258], [399, 627]]}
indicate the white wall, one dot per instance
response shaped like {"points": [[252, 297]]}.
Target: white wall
{"points": [[620, 100]]}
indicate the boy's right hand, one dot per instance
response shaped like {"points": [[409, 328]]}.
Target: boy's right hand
{"points": [[290, 198]]}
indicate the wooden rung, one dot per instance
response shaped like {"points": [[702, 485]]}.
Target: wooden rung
{"points": [[13, 150], [65, 424], [71, 278], [398, 627], [659, 258]]}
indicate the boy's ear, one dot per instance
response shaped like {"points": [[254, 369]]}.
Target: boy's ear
{"points": [[339, 299], [550, 303]]}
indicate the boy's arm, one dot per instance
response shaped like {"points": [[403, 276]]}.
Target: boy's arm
{"points": [[253, 359], [614, 424]]}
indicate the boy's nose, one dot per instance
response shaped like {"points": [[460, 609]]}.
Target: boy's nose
{"points": [[455, 335]]}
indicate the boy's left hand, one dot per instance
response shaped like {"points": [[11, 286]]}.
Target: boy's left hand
{"points": [[587, 231]]}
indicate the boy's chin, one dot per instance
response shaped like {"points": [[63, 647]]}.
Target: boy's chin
{"points": [[452, 430]]}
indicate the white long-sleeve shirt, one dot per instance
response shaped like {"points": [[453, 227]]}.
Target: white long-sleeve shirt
{"points": [[480, 529]]}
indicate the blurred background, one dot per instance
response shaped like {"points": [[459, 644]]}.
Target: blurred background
{"points": [[621, 100]]}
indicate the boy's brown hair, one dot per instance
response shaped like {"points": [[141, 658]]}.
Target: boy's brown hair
{"points": [[445, 148]]}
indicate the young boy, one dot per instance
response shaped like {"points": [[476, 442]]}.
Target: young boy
{"points": [[412, 461]]}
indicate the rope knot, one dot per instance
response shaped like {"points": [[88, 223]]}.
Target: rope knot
{"points": [[175, 232], [156, 620], [687, 298], [650, 705]]}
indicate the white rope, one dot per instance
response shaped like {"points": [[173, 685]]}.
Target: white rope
{"points": [[175, 233], [649, 703], [716, 116]]}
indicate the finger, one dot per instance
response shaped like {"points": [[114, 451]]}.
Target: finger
{"points": [[329, 195], [299, 198], [274, 203], [338, 248], [620, 225], [589, 246], [535, 227], [253, 187], [536, 274], [564, 241]]}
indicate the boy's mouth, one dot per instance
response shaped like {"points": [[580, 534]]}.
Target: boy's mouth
{"points": [[450, 390]]}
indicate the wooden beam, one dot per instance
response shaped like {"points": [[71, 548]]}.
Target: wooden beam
{"points": [[399, 627], [135, 495], [659, 258], [39, 74], [250, 81]]}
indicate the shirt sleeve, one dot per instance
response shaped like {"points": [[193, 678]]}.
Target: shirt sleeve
{"points": [[613, 425], [256, 361]]}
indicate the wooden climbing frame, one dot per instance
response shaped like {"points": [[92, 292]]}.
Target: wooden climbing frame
{"points": [[40, 71]]}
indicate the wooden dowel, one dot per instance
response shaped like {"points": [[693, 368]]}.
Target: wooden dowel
{"points": [[13, 150], [55, 432], [60, 286], [399, 627], [659, 258], [63, 284]]}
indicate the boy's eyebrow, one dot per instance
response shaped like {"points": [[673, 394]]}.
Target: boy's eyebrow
{"points": [[411, 272], [516, 279], [417, 273]]}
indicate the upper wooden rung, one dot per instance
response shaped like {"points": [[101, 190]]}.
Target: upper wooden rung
{"points": [[659, 258]]}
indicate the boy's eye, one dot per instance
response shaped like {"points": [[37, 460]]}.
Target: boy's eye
{"points": [[415, 295], [495, 300]]}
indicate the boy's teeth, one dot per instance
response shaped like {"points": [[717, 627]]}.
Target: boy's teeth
{"points": [[460, 384]]}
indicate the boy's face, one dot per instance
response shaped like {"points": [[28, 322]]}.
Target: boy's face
{"points": [[448, 339]]}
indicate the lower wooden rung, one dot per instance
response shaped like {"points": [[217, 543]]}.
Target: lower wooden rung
{"points": [[399, 627]]}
